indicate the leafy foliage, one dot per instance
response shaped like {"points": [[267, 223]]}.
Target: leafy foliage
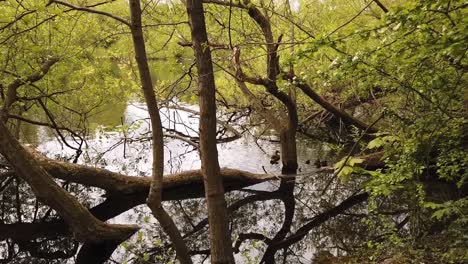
{"points": [[409, 64]]}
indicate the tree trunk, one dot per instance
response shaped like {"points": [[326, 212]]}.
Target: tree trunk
{"points": [[221, 245], [155, 195], [288, 151]]}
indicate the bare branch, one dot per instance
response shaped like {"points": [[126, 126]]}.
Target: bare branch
{"points": [[12, 97]]}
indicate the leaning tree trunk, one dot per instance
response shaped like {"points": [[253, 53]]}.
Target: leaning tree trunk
{"points": [[221, 246], [155, 195], [83, 224]]}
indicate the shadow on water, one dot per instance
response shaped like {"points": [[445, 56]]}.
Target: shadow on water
{"points": [[274, 220]]}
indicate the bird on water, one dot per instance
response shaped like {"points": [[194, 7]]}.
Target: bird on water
{"points": [[320, 163], [275, 158]]}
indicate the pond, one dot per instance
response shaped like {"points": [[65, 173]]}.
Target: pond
{"points": [[106, 146], [121, 144]]}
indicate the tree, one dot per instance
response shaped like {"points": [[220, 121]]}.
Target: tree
{"points": [[155, 194], [220, 238]]}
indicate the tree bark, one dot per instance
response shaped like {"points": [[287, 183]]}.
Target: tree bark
{"points": [[220, 238], [155, 195]]}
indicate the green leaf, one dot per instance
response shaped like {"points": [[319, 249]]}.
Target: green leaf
{"points": [[375, 143], [354, 161]]}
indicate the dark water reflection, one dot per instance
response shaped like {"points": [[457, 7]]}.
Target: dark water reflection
{"points": [[107, 148]]}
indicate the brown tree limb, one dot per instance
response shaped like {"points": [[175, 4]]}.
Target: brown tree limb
{"points": [[182, 138], [116, 182], [347, 118], [273, 68], [11, 95]]}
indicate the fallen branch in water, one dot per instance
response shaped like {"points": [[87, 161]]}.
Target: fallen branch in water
{"points": [[116, 182]]}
